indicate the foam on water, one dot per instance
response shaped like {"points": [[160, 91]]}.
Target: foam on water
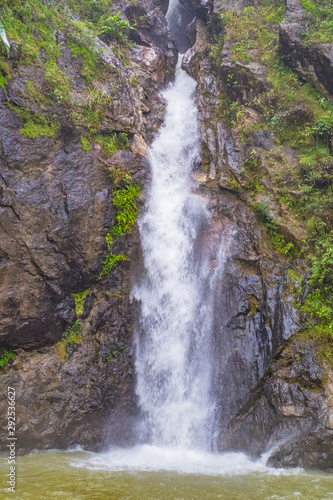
{"points": [[182, 461]]}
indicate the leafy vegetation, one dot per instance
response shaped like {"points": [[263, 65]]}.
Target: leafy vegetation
{"points": [[110, 262], [124, 198], [34, 124], [253, 167], [116, 28], [40, 31], [71, 335], [116, 353], [319, 20], [2, 82], [318, 304], [6, 356], [262, 212], [298, 115], [110, 143]]}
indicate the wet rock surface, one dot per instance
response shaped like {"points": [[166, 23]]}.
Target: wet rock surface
{"points": [[84, 395], [255, 314], [56, 209], [290, 411]]}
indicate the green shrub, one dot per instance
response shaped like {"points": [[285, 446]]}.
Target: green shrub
{"points": [[109, 239], [110, 143], [316, 306], [110, 262], [2, 82], [34, 124], [322, 265], [6, 356], [115, 28], [72, 333], [262, 212], [319, 21], [125, 202], [86, 146], [124, 199], [309, 6]]}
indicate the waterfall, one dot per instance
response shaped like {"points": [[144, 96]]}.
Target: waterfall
{"points": [[172, 338]]}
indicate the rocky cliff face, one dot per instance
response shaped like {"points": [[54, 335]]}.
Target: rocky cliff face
{"points": [[245, 168], [291, 410], [270, 384], [56, 210]]}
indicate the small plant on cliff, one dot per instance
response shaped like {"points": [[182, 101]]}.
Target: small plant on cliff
{"points": [[110, 262], [319, 20], [125, 202], [116, 353], [6, 356], [80, 299], [86, 146], [262, 212], [252, 166], [110, 143], [109, 239], [322, 129], [124, 199], [2, 82], [71, 334], [35, 125], [116, 28], [319, 303]]}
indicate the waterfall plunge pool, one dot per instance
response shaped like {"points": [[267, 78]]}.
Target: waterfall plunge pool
{"points": [[152, 473]]}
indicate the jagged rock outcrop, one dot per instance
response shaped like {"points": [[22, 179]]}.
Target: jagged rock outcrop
{"points": [[83, 394], [292, 410], [312, 62]]}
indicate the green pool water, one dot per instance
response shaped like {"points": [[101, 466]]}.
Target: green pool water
{"points": [[151, 474]]}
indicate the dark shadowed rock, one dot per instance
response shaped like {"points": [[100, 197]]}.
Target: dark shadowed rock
{"points": [[291, 411]]}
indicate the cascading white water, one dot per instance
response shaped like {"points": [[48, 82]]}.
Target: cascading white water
{"points": [[176, 295], [173, 336]]}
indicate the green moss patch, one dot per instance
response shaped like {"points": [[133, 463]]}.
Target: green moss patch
{"points": [[80, 299], [71, 335]]}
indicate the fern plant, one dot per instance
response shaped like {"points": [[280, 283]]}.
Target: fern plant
{"points": [[116, 28]]}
